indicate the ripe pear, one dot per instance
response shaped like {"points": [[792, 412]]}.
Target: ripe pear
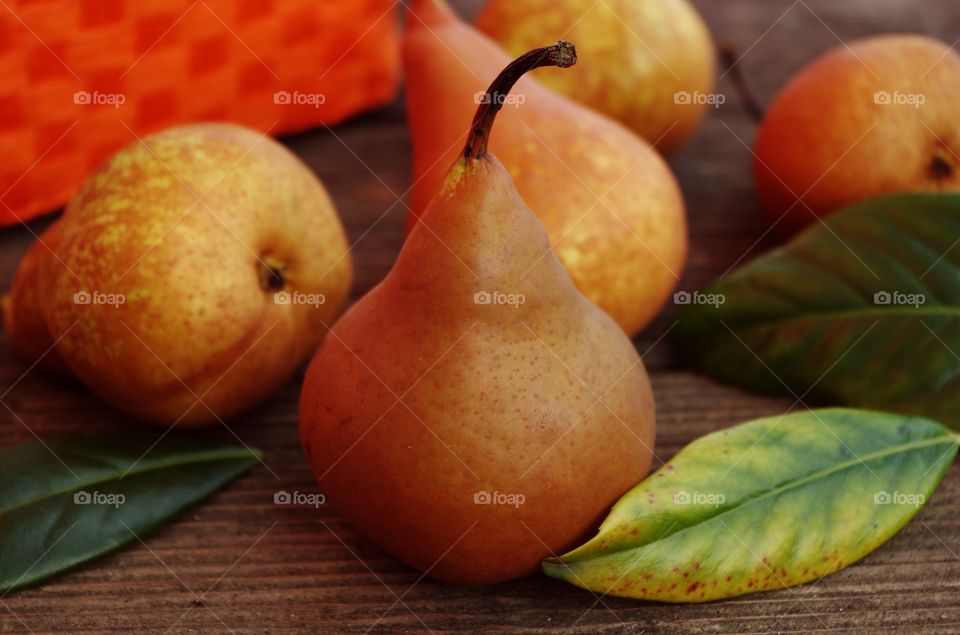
{"points": [[189, 277], [649, 65], [610, 205], [23, 318], [873, 117], [474, 412]]}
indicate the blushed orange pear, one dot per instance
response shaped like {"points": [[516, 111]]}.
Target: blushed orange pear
{"points": [[23, 320], [873, 117], [474, 412], [610, 205]]}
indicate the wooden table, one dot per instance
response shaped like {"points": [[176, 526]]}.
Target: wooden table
{"points": [[241, 564]]}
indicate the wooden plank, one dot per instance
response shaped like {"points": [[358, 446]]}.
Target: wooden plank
{"points": [[242, 564]]}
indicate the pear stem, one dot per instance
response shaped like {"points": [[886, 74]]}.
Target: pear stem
{"points": [[742, 82], [562, 54]]}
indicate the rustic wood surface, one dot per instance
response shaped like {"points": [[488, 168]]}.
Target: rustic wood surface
{"points": [[241, 564]]}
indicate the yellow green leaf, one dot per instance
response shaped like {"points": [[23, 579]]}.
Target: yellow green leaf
{"points": [[768, 504]]}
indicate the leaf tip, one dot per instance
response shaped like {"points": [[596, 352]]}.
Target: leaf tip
{"points": [[555, 568]]}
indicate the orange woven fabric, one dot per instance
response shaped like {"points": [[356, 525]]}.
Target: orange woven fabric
{"points": [[82, 78]]}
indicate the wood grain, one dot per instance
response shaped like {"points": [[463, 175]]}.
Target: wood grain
{"points": [[241, 564]]}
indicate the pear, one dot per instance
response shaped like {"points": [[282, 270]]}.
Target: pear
{"points": [[23, 319], [475, 413], [191, 275], [869, 118], [610, 205], [650, 65]]}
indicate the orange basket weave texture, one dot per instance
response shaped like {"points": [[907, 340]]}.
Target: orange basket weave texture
{"points": [[83, 78]]}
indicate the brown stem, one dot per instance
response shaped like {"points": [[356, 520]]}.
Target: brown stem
{"points": [[562, 54], [748, 94]]}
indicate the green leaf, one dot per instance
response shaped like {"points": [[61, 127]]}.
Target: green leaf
{"points": [[807, 318], [68, 500], [767, 504]]}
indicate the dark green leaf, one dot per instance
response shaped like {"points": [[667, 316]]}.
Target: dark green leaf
{"points": [[808, 317], [71, 499], [768, 504]]}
